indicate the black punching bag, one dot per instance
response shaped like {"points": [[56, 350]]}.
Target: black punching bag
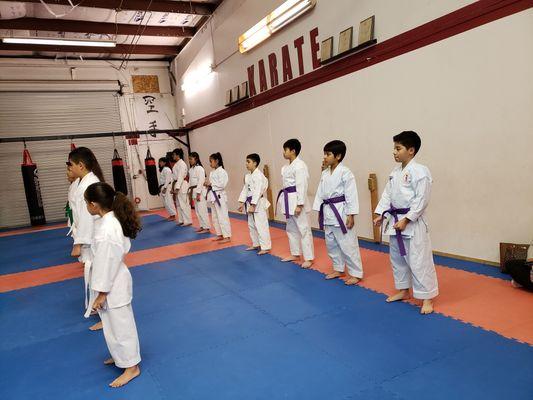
{"points": [[119, 176], [32, 189], [151, 174]]}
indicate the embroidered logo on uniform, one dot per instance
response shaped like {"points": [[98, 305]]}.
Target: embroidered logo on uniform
{"points": [[406, 178]]}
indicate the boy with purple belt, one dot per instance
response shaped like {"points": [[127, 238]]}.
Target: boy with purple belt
{"points": [[337, 203]]}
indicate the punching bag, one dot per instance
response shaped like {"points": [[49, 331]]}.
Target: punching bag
{"points": [[151, 174], [119, 176], [32, 189]]}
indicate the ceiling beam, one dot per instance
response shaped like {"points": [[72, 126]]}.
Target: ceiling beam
{"points": [[179, 7], [119, 49], [61, 25]]}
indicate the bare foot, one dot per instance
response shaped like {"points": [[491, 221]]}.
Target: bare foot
{"points": [[290, 259], [307, 264], [180, 224], [127, 375], [263, 252], [225, 240], [427, 306], [251, 248], [352, 281], [217, 239], [333, 275], [204, 231], [171, 218], [199, 230], [96, 327], [399, 296], [187, 224], [109, 361]]}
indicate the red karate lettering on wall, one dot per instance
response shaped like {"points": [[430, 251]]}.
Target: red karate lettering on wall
{"points": [[273, 67], [286, 63], [313, 34], [251, 81], [262, 76], [298, 44]]}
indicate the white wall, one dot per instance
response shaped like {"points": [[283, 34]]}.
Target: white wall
{"points": [[133, 110], [470, 97]]}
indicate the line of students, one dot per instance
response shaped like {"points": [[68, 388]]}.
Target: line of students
{"points": [[101, 243], [401, 210]]}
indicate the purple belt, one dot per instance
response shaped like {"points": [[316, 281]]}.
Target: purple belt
{"points": [[331, 202], [285, 192], [248, 200], [395, 212], [217, 200]]}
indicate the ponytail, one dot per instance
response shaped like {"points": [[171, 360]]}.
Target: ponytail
{"points": [[217, 157], [109, 200], [127, 215], [86, 156]]}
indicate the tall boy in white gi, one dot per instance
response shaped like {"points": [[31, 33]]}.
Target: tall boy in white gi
{"points": [[402, 211]]}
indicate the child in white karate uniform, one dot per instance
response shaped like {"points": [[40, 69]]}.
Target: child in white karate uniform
{"points": [[217, 198], [165, 188], [180, 187], [110, 283], [402, 212], [85, 168], [199, 191], [256, 205], [293, 202], [337, 203]]}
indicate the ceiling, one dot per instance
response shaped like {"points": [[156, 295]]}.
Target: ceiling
{"points": [[142, 29]]}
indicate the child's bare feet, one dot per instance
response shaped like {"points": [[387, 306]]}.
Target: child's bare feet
{"points": [[171, 218], [127, 375], [352, 281], [251, 248], [427, 306], [204, 231], [307, 264], [109, 361], [225, 240], [263, 252], [218, 239], [199, 230], [186, 224], [401, 295], [289, 259], [96, 327], [333, 275]]}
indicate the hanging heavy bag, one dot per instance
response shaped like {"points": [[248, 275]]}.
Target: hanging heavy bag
{"points": [[151, 174], [119, 176], [32, 189]]}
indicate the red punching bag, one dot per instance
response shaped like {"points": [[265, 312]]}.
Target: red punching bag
{"points": [[33, 189], [119, 176], [151, 174]]}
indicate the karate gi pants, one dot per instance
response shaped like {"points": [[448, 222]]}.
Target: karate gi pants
{"points": [[259, 229], [221, 220], [184, 208], [120, 333], [343, 249], [416, 269], [300, 236]]}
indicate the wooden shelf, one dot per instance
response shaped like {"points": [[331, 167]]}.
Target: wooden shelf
{"points": [[353, 50]]}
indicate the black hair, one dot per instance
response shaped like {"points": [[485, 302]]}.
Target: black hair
{"points": [[408, 139], [217, 157], [110, 200], [165, 160], [196, 156], [179, 152], [293, 144], [254, 157], [86, 156], [336, 147]]}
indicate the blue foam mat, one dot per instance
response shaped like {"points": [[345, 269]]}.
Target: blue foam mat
{"points": [[29, 251], [253, 327]]}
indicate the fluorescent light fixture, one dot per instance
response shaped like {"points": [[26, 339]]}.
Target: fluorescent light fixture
{"points": [[277, 19], [59, 42], [197, 79]]}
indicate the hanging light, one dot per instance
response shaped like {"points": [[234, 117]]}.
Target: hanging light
{"points": [[273, 22], [59, 42]]}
